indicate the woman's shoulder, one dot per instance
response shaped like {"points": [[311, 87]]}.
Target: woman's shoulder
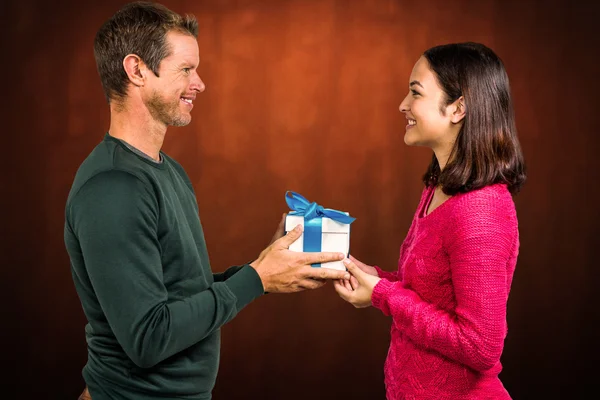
{"points": [[496, 195], [487, 213], [493, 203]]}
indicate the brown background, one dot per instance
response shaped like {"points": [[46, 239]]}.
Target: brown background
{"points": [[304, 95]]}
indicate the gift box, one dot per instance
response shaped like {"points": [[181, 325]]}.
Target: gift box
{"points": [[325, 229]]}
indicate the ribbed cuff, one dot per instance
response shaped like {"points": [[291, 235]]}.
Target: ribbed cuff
{"points": [[390, 276], [245, 285], [380, 294], [380, 272]]}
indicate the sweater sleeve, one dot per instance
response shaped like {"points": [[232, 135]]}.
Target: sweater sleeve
{"points": [[115, 217], [480, 246], [228, 273], [390, 276]]}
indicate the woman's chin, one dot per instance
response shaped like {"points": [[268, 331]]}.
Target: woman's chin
{"points": [[410, 139]]}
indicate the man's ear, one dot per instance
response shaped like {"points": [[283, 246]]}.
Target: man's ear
{"points": [[135, 69], [459, 110]]}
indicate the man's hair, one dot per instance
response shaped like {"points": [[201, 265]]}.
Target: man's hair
{"points": [[487, 149], [138, 28]]}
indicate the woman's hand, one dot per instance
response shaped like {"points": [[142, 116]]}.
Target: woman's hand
{"points": [[359, 290]]}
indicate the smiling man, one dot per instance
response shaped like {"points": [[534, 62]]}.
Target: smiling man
{"points": [[132, 230]]}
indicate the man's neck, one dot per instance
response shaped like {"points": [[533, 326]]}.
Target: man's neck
{"points": [[137, 128]]}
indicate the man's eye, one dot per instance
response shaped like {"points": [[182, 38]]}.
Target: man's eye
{"points": [[187, 70]]}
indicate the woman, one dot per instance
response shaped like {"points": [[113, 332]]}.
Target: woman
{"points": [[448, 298]]}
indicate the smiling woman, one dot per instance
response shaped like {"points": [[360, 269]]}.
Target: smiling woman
{"points": [[448, 297], [486, 148]]}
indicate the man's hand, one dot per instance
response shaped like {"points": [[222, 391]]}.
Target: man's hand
{"points": [[360, 295], [85, 395], [284, 271], [280, 230]]}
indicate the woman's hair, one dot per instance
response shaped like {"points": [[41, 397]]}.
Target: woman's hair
{"points": [[487, 150]]}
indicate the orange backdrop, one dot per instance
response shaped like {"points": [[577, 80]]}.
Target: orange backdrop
{"points": [[303, 95]]}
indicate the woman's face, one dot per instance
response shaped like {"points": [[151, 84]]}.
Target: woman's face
{"points": [[430, 122]]}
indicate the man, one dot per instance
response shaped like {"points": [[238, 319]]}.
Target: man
{"points": [[138, 256]]}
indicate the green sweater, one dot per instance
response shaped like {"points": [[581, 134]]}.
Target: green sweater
{"points": [[141, 269]]}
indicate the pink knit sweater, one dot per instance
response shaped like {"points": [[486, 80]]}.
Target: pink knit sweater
{"points": [[448, 298]]}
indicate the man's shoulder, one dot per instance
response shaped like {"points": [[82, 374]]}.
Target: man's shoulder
{"points": [[179, 169], [176, 165], [108, 159]]}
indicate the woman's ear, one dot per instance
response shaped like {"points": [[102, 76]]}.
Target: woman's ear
{"points": [[460, 110]]}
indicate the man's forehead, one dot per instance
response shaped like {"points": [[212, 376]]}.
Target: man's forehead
{"points": [[182, 47], [181, 42]]}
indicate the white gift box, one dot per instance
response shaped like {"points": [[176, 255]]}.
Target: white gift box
{"points": [[335, 237]]}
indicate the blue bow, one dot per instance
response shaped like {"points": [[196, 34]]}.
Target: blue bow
{"points": [[313, 220], [309, 211]]}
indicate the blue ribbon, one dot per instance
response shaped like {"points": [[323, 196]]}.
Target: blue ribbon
{"points": [[313, 220]]}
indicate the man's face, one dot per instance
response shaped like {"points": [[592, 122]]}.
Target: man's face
{"points": [[169, 96]]}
